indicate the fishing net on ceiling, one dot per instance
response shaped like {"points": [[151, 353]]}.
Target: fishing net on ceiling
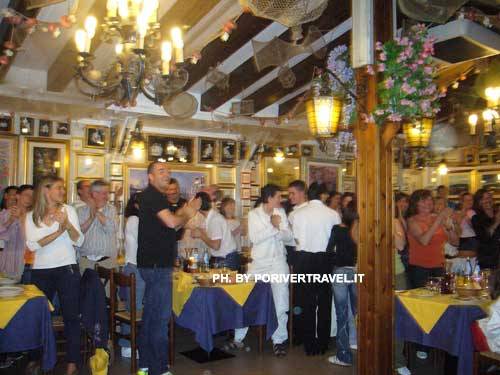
{"points": [[438, 11], [287, 12]]}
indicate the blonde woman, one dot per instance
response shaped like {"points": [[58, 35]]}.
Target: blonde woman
{"points": [[52, 231]]}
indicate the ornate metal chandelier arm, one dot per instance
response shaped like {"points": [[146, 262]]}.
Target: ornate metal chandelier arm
{"points": [[80, 74], [147, 94], [100, 94]]}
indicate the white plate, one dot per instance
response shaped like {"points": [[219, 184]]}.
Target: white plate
{"points": [[5, 281], [10, 291]]}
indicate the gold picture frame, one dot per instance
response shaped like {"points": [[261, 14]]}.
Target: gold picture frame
{"points": [[208, 149], [44, 157], [90, 166], [96, 137], [323, 171], [280, 173], [116, 169], [225, 176], [8, 160]]}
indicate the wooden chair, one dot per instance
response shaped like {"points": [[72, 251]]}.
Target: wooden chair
{"points": [[133, 318], [485, 358], [106, 276]]}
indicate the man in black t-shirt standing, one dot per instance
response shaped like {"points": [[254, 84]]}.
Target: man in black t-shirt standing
{"points": [[156, 253]]}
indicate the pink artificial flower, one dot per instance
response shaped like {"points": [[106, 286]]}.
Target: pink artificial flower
{"points": [[425, 105], [381, 67], [379, 112], [382, 56], [420, 62], [407, 102], [394, 117], [413, 67], [404, 41], [369, 70], [407, 89], [378, 46], [389, 83], [428, 70], [367, 118]]}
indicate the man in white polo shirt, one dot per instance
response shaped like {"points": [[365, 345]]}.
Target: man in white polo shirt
{"points": [[217, 236]]}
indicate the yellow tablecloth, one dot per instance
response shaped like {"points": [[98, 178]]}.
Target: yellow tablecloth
{"points": [[183, 286], [428, 310], [10, 306]]}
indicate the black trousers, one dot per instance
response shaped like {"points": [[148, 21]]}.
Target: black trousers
{"points": [[311, 299]]}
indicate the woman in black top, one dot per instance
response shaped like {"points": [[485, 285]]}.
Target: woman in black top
{"points": [[343, 244], [486, 224]]}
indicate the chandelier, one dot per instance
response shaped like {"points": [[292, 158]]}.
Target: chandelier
{"points": [[144, 63]]}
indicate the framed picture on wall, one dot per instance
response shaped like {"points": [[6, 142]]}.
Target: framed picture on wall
{"points": [[44, 128], [306, 150], [63, 128], [459, 183], [322, 172], [225, 176], [116, 185], [170, 149], [228, 192], [349, 185], [207, 150], [6, 124], [245, 178], [96, 137], [255, 191], [26, 125], [228, 149], [8, 160], [90, 166], [45, 158], [245, 194], [116, 169], [280, 174]]}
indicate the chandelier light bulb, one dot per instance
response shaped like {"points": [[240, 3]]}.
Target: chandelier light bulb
{"points": [[123, 9], [90, 26], [176, 35], [279, 156], [112, 8], [442, 168], [473, 118], [166, 56], [492, 95], [80, 40], [119, 48]]}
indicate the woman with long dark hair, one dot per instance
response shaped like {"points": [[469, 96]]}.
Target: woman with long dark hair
{"points": [[52, 231], [268, 229], [486, 225], [427, 235]]}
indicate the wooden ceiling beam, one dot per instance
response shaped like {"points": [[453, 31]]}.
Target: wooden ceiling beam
{"points": [[273, 91], [247, 73], [19, 35], [183, 13]]}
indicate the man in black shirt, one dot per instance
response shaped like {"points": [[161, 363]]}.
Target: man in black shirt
{"points": [[156, 253], [174, 195]]}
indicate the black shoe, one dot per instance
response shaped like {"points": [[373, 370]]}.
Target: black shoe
{"points": [[279, 350]]}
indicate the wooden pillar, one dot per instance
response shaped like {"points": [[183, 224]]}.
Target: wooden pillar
{"points": [[375, 254]]}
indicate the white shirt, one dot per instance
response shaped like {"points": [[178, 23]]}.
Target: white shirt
{"points": [[131, 235], [218, 229], [233, 225], [290, 219], [267, 241], [312, 226], [61, 251]]}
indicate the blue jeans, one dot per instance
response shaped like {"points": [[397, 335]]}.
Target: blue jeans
{"points": [[153, 335], [343, 294], [140, 286]]}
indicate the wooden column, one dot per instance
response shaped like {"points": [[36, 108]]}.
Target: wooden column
{"points": [[375, 254]]}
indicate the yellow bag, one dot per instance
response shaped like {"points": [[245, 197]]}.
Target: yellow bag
{"points": [[99, 362]]}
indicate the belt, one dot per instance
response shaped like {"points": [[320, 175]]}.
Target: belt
{"points": [[97, 261]]}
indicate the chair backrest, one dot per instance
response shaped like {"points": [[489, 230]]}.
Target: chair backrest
{"points": [[105, 274], [126, 281]]}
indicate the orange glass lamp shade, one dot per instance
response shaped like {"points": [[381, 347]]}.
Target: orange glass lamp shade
{"points": [[418, 132], [323, 115]]}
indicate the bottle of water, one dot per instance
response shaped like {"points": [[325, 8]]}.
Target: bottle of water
{"points": [[206, 260], [468, 267]]}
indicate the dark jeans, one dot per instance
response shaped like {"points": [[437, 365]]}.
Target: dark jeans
{"points": [[313, 307], [344, 294], [418, 275], [65, 281], [153, 335], [231, 261]]}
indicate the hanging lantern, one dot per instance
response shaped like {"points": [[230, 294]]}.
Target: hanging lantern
{"points": [[418, 133], [137, 139], [323, 115]]}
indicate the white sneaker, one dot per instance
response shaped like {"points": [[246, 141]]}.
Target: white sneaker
{"points": [[353, 346], [403, 371], [422, 355], [334, 360]]}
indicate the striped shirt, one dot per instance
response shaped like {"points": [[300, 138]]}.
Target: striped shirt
{"points": [[100, 239]]}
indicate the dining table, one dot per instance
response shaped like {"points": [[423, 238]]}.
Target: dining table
{"points": [[26, 324], [209, 310], [441, 321]]}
